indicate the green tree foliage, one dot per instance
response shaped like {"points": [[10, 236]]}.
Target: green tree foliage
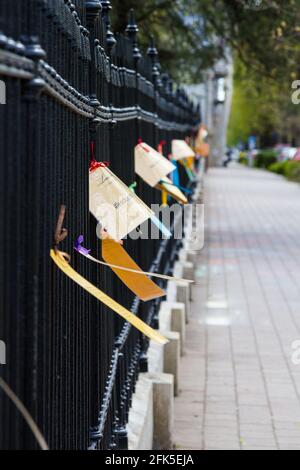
{"points": [[262, 106], [264, 36], [182, 37], [255, 106], [191, 34]]}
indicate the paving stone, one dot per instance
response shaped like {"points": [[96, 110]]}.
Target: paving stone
{"points": [[258, 441], [239, 386]]}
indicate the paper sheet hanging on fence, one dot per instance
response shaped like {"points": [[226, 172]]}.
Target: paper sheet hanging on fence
{"points": [[166, 233], [190, 163], [167, 185], [139, 284], [114, 205], [203, 149], [62, 264], [150, 165], [189, 167], [180, 149], [175, 175], [201, 145]]}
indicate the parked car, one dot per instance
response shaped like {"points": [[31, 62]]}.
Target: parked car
{"points": [[285, 152], [297, 155]]}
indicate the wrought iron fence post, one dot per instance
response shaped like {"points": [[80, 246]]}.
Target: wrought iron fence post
{"points": [[110, 43], [117, 431], [110, 38], [31, 93], [93, 9], [152, 53], [132, 32]]}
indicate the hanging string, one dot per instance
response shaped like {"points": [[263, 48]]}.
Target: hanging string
{"points": [[133, 186], [94, 165], [140, 143], [92, 149], [25, 413], [160, 147]]}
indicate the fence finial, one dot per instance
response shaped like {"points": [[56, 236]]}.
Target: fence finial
{"points": [[132, 31], [93, 8], [171, 86], [110, 38], [165, 81], [153, 54], [34, 51]]}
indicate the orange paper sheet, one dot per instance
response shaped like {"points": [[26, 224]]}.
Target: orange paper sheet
{"points": [[113, 253], [203, 149]]}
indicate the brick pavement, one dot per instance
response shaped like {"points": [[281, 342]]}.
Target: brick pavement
{"points": [[239, 386]]}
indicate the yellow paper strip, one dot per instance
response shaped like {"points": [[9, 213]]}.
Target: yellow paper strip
{"points": [[62, 264], [164, 198], [167, 185]]}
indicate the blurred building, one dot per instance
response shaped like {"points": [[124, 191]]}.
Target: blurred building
{"points": [[215, 97]]}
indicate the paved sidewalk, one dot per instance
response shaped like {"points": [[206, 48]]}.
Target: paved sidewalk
{"points": [[239, 386]]}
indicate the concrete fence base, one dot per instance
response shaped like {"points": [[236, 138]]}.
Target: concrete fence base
{"points": [[163, 410], [140, 423], [172, 356], [152, 413]]}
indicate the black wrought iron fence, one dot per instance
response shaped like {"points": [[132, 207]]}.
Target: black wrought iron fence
{"points": [[68, 82]]}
